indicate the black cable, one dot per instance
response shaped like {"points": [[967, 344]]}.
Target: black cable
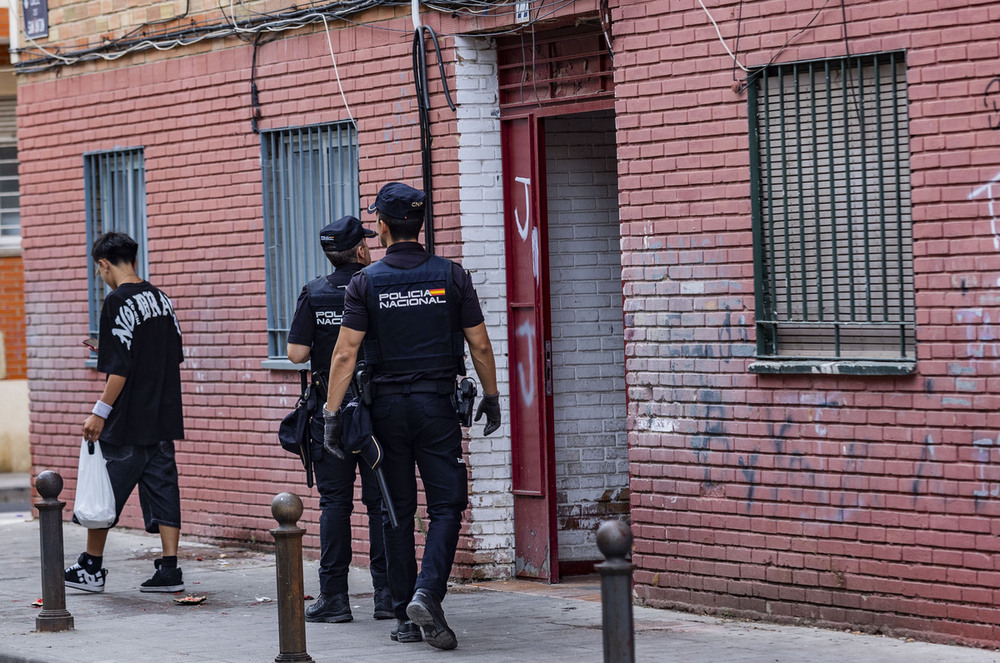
{"points": [[423, 102], [847, 50], [340, 11], [423, 110], [203, 29], [255, 113], [736, 47], [758, 71], [437, 52]]}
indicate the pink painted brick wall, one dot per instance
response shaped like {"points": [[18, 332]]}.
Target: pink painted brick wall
{"points": [[863, 500], [206, 247]]}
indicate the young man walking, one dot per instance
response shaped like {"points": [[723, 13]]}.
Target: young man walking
{"points": [[313, 333], [139, 414]]}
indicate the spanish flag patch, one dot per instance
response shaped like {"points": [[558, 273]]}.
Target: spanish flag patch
{"points": [[436, 292]]}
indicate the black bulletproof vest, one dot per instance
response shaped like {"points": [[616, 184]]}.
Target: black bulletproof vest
{"points": [[327, 303], [412, 321]]}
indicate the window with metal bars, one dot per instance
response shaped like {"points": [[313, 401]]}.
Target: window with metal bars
{"points": [[830, 184], [115, 200], [10, 208], [310, 178]]}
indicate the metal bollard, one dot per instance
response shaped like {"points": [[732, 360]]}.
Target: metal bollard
{"points": [[287, 509], [54, 616], [614, 539]]}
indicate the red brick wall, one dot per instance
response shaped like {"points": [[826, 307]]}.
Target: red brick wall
{"points": [[206, 244], [860, 500], [12, 316], [868, 501]]}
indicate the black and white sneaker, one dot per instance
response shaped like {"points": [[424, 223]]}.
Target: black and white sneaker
{"points": [[78, 577], [164, 580]]}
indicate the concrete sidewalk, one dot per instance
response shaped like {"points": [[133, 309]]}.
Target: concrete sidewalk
{"points": [[495, 622]]}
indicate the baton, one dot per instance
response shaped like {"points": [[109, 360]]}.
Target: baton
{"points": [[386, 499], [307, 461], [371, 451]]}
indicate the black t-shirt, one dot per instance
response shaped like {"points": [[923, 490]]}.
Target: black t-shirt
{"points": [[304, 330], [406, 255], [140, 340]]}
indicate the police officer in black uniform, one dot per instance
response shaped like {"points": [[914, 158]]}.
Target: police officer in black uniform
{"points": [[313, 334], [411, 314]]}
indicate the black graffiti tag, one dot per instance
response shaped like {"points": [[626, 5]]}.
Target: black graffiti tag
{"points": [[991, 100]]}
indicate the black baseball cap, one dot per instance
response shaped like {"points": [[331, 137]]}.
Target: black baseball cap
{"points": [[343, 234], [399, 201]]}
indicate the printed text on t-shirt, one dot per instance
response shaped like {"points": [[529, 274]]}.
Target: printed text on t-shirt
{"points": [[137, 309]]}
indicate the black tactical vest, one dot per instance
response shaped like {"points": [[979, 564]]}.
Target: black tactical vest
{"points": [[413, 324], [327, 303]]}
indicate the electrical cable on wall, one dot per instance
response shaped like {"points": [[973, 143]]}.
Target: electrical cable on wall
{"points": [[336, 74], [423, 109], [229, 26], [721, 39], [255, 112], [604, 13], [194, 33], [758, 70]]}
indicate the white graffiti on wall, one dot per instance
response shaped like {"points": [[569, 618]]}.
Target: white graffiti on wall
{"points": [[992, 191], [981, 332], [986, 468], [526, 379], [523, 230]]}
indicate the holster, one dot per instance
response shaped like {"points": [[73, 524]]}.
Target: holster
{"points": [[362, 383], [463, 400]]}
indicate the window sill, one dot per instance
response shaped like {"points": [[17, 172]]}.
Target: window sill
{"points": [[834, 367], [282, 364], [10, 249]]}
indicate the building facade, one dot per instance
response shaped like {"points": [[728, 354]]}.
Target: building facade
{"points": [[739, 262], [15, 455]]}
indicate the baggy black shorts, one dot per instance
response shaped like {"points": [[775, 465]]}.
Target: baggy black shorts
{"points": [[154, 470]]}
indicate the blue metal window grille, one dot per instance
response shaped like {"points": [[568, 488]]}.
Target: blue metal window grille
{"points": [[310, 177], [10, 207], [115, 200], [830, 185]]}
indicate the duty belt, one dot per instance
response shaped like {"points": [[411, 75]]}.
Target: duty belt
{"points": [[443, 387]]}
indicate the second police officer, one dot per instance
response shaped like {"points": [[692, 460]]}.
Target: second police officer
{"points": [[411, 315], [313, 334]]}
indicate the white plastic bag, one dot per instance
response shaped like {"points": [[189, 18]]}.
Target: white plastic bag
{"points": [[94, 506]]}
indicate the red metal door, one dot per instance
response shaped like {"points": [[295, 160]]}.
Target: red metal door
{"points": [[532, 444]]}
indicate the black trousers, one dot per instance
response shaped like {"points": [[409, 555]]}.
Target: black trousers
{"points": [[335, 483], [421, 429]]}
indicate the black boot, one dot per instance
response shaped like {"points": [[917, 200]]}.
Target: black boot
{"points": [[425, 611], [383, 603], [405, 631], [332, 609]]}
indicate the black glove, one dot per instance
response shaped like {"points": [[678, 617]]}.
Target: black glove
{"points": [[333, 440], [490, 406]]}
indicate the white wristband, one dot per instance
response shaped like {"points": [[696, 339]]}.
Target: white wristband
{"points": [[101, 409]]}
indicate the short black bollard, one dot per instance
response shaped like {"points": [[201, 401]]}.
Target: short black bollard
{"points": [[287, 509], [54, 616], [614, 539]]}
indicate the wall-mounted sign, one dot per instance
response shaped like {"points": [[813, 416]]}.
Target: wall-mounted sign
{"points": [[522, 12], [36, 18]]}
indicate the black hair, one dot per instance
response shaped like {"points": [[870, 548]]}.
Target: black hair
{"points": [[403, 230], [347, 256], [116, 248]]}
